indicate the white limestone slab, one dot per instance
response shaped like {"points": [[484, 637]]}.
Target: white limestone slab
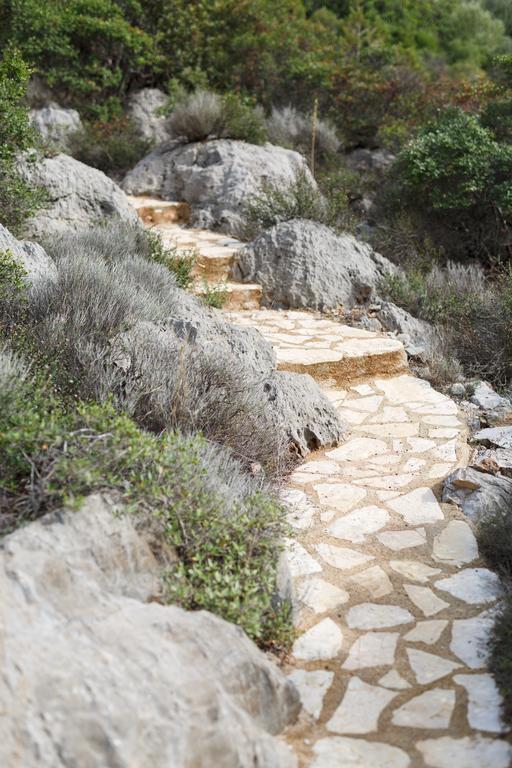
{"points": [[367, 404], [363, 389], [350, 416], [484, 702], [298, 561], [470, 640], [340, 496], [391, 429], [472, 585], [413, 465], [358, 524], [447, 451], [437, 471], [389, 414], [456, 544], [373, 649], [321, 642], [376, 616], [320, 467], [414, 570], [468, 752], [398, 540], [357, 449], [360, 708], [386, 482], [442, 421], [417, 507], [375, 580], [301, 510], [344, 752], [321, 596], [428, 667], [427, 632], [394, 680], [432, 709], [312, 687], [425, 599], [342, 557], [420, 444]]}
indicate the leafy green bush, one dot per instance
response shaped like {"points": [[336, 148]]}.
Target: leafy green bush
{"points": [[17, 199], [187, 494], [203, 114], [114, 146], [179, 262], [13, 277]]}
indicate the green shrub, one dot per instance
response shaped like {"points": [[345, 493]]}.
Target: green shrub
{"points": [[13, 277], [179, 262], [113, 147], [215, 296], [187, 494]]}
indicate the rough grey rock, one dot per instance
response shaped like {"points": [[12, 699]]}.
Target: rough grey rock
{"points": [[494, 406], [302, 263], [93, 674], [216, 178], [78, 196], [416, 334], [497, 461], [309, 418], [143, 109], [370, 160], [32, 256], [55, 124], [458, 389], [478, 494], [497, 437]]}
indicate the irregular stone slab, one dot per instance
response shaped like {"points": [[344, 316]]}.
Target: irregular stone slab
{"points": [[338, 752], [423, 597], [432, 709], [472, 585], [340, 496], [320, 467], [484, 702], [417, 507], [387, 482], [374, 649], [375, 580], [312, 687], [360, 709], [398, 540], [301, 510], [342, 557], [409, 389], [413, 465], [357, 525], [357, 449], [363, 389], [469, 752], [321, 642], [389, 414], [427, 667], [374, 616], [447, 451], [394, 680], [442, 421], [470, 640], [321, 596], [298, 561], [420, 444], [367, 404], [389, 430], [478, 494], [414, 570], [427, 632], [456, 544], [439, 470]]}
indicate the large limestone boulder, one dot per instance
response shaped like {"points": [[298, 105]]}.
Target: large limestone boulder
{"points": [[303, 264], [77, 196], [96, 673], [33, 258], [55, 124], [416, 334], [478, 494], [216, 178], [143, 111]]}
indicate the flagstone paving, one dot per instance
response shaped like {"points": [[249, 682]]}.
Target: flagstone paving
{"points": [[393, 605]]}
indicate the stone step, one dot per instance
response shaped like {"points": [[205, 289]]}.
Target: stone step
{"points": [[240, 296], [153, 211], [329, 351]]}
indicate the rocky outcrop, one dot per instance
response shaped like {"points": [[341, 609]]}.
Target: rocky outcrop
{"points": [[478, 494], [143, 111], [376, 161], [33, 258], [495, 437], [416, 334], [77, 196], [216, 178], [55, 124], [495, 408], [95, 673], [302, 263]]}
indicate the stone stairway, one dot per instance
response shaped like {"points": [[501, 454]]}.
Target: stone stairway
{"points": [[392, 602]]}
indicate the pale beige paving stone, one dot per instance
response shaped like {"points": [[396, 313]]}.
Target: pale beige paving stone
{"points": [[394, 679], [340, 496], [358, 449], [392, 429], [403, 539], [470, 640], [375, 580], [428, 667], [427, 632], [456, 544], [418, 507], [377, 616], [472, 585], [342, 558], [430, 710], [414, 570], [360, 708], [322, 641], [298, 561], [356, 525], [425, 599], [312, 687], [467, 752], [345, 752], [387, 482], [484, 702], [320, 595], [373, 649]]}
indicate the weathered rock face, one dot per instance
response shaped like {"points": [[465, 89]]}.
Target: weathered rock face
{"points": [[94, 675], [416, 334], [305, 264], [370, 160], [478, 494], [78, 196], [143, 107], [494, 407], [496, 437], [215, 178], [55, 124], [33, 257]]}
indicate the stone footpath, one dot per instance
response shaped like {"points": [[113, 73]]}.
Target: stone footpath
{"points": [[393, 605]]}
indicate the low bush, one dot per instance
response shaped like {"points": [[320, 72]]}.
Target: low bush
{"points": [[206, 115], [113, 147], [186, 493], [287, 127]]}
